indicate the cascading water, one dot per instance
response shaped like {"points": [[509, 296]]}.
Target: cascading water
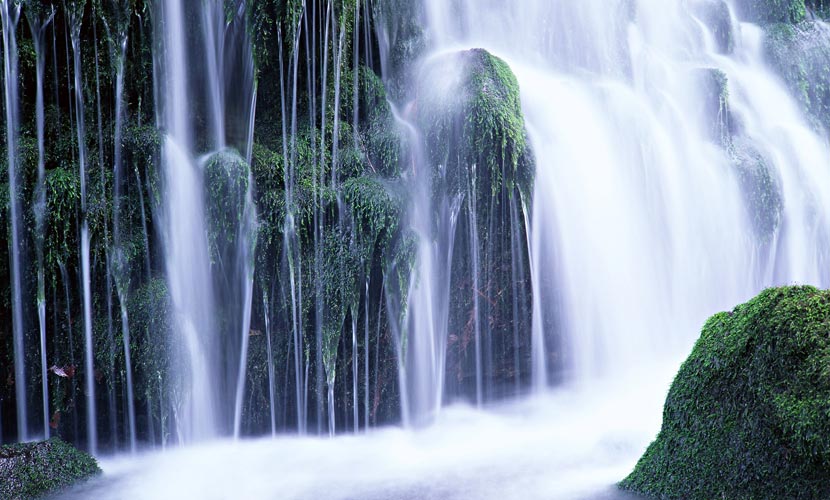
{"points": [[421, 254], [207, 269], [639, 224], [187, 260]]}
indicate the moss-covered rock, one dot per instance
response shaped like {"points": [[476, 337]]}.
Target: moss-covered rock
{"points": [[470, 109], [227, 180], [801, 56], [714, 88], [772, 11], [29, 470], [748, 415], [761, 189]]}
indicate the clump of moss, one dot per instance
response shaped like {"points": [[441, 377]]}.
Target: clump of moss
{"points": [[748, 415], [29, 470]]}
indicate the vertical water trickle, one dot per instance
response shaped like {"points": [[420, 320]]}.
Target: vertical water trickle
{"points": [[111, 410], [10, 15], [472, 213], [291, 242], [76, 13], [121, 266], [38, 23], [366, 359], [272, 405]]}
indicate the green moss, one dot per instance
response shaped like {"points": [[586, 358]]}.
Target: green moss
{"points": [[63, 197], [380, 136], [748, 415], [377, 207], [30, 470]]}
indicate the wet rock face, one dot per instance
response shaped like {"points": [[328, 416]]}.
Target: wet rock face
{"points": [[30, 470], [772, 11], [800, 55], [748, 415]]}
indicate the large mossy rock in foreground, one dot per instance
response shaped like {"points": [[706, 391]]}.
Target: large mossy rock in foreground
{"points": [[29, 470], [748, 415]]}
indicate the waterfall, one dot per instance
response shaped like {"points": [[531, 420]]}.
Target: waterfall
{"points": [[210, 272], [186, 247], [641, 223]]}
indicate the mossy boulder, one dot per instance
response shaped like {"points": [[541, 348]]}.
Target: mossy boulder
{"points": [[748, 415], [227, 180], [480, 163], [772, 11], [29, 470], [470, 109], [801, 56]]}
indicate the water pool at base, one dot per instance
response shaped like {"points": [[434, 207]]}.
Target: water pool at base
{"points": [[567, 444]]}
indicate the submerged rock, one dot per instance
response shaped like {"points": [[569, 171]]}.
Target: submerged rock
{"points": [[748, 415], [29, 470]]}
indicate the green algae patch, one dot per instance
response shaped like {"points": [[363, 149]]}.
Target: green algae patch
{"points": [[748, 415], [30, 470]]}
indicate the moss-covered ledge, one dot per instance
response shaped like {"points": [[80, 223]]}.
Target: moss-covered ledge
{"points": [[748, 415], [30, 470]]}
